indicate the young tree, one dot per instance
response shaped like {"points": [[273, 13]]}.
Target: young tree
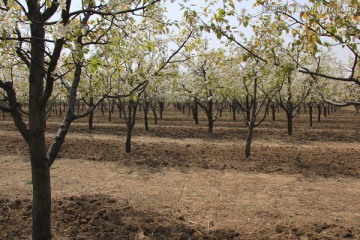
{"points": [[293, 95], [155, 95], [203, 82], [261, 84], [138, 66]]}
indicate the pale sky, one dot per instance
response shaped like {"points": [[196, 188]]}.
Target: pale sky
{"points": [[175, 13]]}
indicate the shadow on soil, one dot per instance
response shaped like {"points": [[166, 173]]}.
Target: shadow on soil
{"points": [[159, 155], [102, 217]]}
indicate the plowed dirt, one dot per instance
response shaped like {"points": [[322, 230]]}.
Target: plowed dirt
{"points": [[180, 182]]}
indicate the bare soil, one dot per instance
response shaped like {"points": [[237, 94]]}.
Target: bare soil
{"points": [[180, 182]]}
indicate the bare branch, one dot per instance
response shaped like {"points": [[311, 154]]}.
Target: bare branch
{"points": [[173, 54], [101, 13], [350, 79], [15, 107]]}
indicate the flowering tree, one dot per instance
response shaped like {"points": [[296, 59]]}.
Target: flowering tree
{"points": [[35, 33], [261, 83], [320, 24], [138, 66], [203, 81]]}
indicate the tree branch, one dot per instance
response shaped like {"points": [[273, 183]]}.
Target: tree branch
{"points": [[15, 107], [350, 79], [93, 11]]}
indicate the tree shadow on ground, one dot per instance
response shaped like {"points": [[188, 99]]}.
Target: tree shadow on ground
{"points": [[94, 217]]}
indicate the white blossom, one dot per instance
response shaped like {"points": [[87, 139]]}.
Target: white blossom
{"points": [[60, 30], [62, 4]]}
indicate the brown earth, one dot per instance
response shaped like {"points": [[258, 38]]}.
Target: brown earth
{"points": [[179, 182]]}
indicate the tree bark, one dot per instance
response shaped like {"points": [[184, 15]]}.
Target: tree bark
{"points": [[161, 109], [153, 109], [210, 124], [60, 110], [130, 123], [102, 108], [273, 111], [195, 111], [91, 115], [233, 111], [146, 111], [252, 120], [128, 139], [109, 113], [289, 122], [41, 206], [78, 107], [319, 111], [249, 140], [40, 169], [311, 114], [209, 114]]}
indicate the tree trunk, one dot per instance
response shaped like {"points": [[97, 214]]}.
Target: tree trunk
{"points": [[91, 115], [153, 109], [161, 109], [91, 120], [60, 110], [41, 206], [311, 114], [78, 107], [209, 114], [249, 140], [130, 123], [111, 109], [247, 110], [247, 117], [146, 111], [121, 109], [210, 124], [40, 169], [195, 111], [289, 122], [128, 138], [319, 111], [102, 108], [110, 113], [233, 111], [252, 120], [273, 112]]}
